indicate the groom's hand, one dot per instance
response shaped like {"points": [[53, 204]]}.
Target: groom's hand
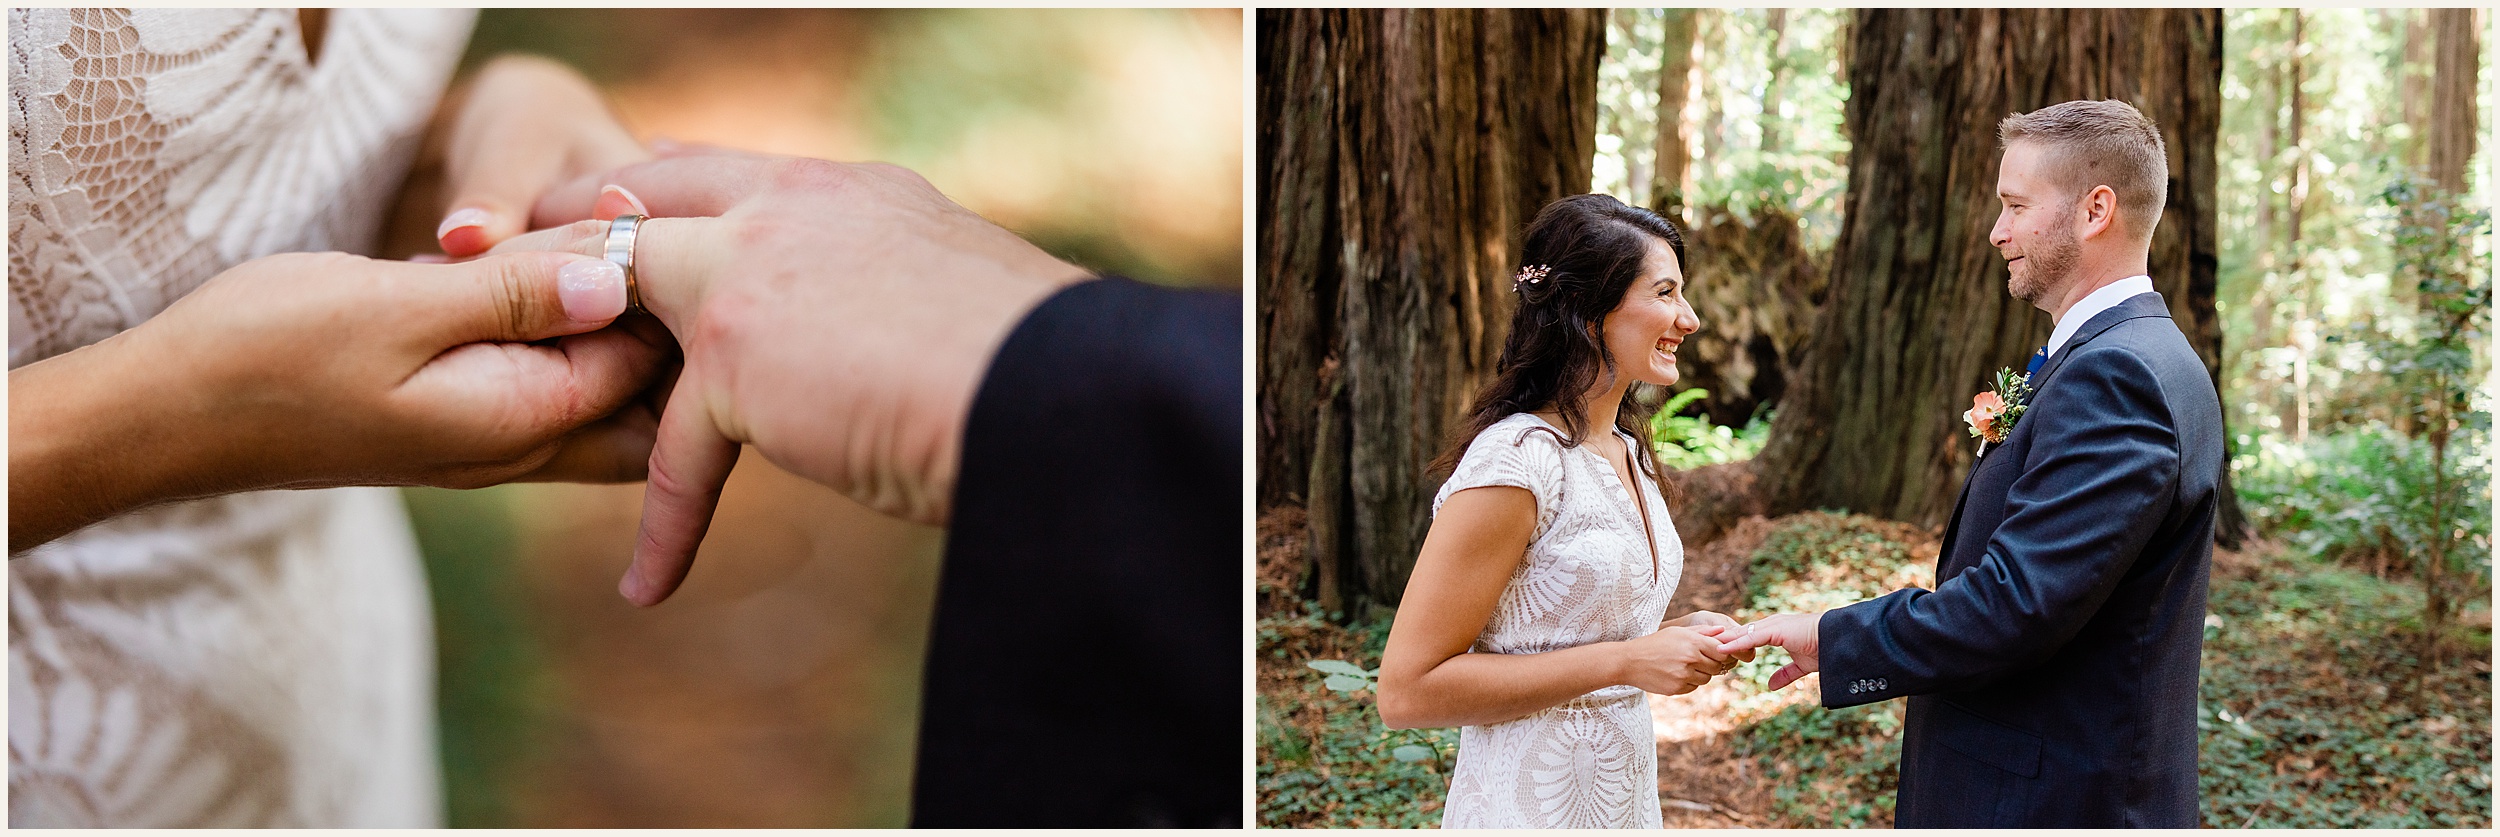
{"points": [[1794, 632], [837, 317]]}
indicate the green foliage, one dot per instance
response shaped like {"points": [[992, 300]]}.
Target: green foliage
{"points": [[2311, 717], [1818, 560], [2315, 274], [493, 679], [2366, 496], [2013, 390], [1344, 676], [1324, 758], [1836, 768], [2432, 236], [1692, 441], [1830, 768], [1765, 123]]}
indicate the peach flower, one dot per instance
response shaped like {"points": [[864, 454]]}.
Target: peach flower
{"points": [[1984, 410]]}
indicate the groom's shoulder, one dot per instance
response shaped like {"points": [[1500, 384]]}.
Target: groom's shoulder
{"points": [[2154, 339], [2140, 327], [2145, 359]]}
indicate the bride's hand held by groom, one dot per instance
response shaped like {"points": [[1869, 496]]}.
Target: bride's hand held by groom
{"points": [[322, 369], [1674, 660], [1796, 633]]}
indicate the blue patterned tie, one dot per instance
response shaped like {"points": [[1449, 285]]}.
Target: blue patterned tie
{"points": [[2039, 357]]}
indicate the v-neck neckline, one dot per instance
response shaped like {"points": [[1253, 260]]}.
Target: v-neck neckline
{"points": [[1640, 507], [312, 32]]}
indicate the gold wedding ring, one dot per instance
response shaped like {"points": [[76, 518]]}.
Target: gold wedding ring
{"points": [[620, 250]]}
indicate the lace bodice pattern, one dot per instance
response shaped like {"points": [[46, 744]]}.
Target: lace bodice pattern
{"points": [[258, 659], [1587, 577]]}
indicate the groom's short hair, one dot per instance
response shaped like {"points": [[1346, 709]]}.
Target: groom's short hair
{"points": [[2100, 142]]}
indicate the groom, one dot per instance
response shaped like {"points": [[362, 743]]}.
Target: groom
{"points": [[2052, 672]]}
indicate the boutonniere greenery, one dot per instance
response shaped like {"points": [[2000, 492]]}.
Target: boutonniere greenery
{"points": [[1993, 413]]}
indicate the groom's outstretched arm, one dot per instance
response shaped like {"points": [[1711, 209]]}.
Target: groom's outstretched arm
{"points": [[2097, 484]]}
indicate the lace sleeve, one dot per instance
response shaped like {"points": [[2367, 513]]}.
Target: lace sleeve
{"points": [[1513, 454]]}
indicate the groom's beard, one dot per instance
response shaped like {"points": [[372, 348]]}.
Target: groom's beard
{"points": [[2048, 267]]}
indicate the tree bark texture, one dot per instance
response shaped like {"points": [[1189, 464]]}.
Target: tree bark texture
{"points": [[2414, 68], [2455, 80], [1674, 153], [1917, 316], [1400, 154], [1774, 90]]}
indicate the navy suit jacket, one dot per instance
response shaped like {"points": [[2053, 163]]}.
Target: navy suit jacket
{"points": [[1085, 664], [2052, 673]]}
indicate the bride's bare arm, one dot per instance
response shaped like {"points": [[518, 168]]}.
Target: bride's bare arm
{"points": [[1427, 676], [318, 369], [79, 452]]}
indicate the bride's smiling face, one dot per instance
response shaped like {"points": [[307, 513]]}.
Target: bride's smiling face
{"points": [[1646, 328]]}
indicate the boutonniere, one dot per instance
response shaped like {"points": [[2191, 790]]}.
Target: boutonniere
{"points": [[1993, 413]]}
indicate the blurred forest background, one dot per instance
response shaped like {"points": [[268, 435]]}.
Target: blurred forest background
{"points": [[2327, 247], [780, 688]]}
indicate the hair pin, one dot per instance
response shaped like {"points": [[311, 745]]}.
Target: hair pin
{"points": [[1529, 275]]}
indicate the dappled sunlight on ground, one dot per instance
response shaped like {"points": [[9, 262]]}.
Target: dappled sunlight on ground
{"points": [[1702, 782]]}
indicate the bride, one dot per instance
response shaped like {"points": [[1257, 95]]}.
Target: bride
{"points": [[186, 649], [1533, 615]]}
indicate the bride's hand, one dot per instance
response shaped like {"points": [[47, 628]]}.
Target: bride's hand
{"points": [[320, 369], [1674, 660], [1699, 618], [1707, 618], [522, 126]]}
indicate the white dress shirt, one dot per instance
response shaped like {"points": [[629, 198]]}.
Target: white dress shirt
{"points": [[2096, 302]]}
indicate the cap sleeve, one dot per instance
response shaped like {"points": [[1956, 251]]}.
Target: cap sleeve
{"points": [[1521, 454]]}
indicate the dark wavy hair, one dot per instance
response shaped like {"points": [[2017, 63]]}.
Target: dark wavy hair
{"points": [[1592, 247]]}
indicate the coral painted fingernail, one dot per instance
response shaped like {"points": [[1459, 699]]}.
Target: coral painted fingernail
{"points": [[616, 200], [463, 232], [593, 290], [471, 217]]}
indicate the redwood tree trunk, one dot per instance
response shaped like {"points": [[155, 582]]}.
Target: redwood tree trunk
{"points": [[2455, 79], [1917, 315], [1674, 154], [1400, 153]]}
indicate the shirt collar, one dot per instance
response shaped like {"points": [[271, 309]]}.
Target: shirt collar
{"points": [[2094, 303]]}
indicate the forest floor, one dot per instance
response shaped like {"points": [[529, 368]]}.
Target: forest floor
{"points": [[2316, 711]]}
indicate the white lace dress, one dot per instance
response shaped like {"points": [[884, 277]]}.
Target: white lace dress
{"points": [[259, 659], [1587, 577]]}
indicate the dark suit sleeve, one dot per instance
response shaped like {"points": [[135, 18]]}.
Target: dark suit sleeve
{"points": [[1085, 661], [2104, 463]]}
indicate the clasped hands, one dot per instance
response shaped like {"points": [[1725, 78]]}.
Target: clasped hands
{"points": [[837, 317], [1687, 652]]}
